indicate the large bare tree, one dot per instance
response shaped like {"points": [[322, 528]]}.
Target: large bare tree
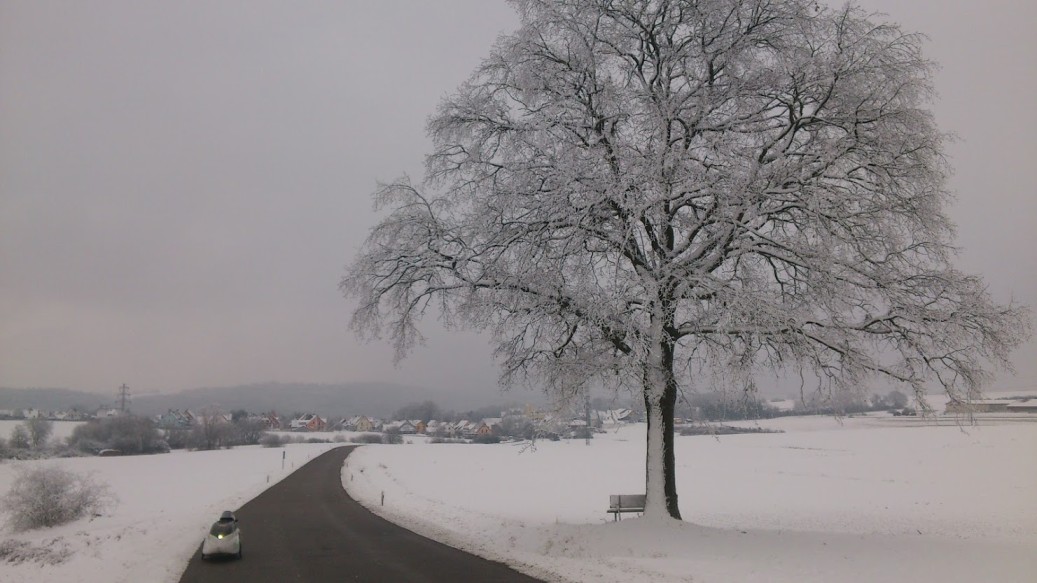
{"points": [[655, 193]]}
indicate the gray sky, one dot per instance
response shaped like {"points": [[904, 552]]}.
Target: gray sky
{"points": [[182, 183]]}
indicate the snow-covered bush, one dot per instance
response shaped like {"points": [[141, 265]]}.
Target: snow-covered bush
{"points": [[19, 437], [47, 496], [40, 430], [128, 434], [271, 440]]}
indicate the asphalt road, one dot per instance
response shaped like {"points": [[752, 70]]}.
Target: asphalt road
{"points": [[306, 528]]}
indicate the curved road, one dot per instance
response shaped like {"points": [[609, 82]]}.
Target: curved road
{"points": [[306, 528]]}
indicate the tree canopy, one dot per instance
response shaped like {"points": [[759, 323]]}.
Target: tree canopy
{"points": [[656, 193]]}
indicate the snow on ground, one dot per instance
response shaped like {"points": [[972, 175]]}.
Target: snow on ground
{"points": [[345, 436], [858, 499], [166, 504], [61, 429], [872, 498]]}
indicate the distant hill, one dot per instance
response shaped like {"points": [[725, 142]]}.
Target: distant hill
{"points": [[49, 399], [331, 400]]}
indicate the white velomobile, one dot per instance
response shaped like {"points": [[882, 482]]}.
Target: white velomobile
{"points": [[224, 537]]}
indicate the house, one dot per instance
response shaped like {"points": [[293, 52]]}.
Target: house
{"points": [[364, 423], [463, 428], [466, 428], [269, 421], [978, 406], [535, 415], [613, 417], [175, 418], [361, 423], [308, 422], [70, 415], [272, 421], [405, 427], [420, 427], [214, 418], [488, 426], [1024, 406]]}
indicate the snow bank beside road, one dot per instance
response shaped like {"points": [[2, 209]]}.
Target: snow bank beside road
{"points": [[849, 501], [166, 504]]}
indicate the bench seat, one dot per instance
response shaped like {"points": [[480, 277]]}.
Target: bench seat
{"points": [[621, 503]]}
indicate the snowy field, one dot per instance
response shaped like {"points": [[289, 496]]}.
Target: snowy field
{"points": [[61, 429], [861, 499], [166, 504]]}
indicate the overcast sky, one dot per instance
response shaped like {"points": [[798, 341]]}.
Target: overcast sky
{"points": [[183, 183]]}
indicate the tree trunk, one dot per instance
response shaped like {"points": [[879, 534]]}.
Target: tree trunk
{"points": [[660, 394]]}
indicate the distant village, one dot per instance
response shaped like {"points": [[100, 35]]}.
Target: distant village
{"points": [[312, 422], [526, 422], [512, 422]]}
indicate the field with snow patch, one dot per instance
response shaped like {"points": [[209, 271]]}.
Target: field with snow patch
{"points": [[166, 504], [61, 429], [861, 499]]}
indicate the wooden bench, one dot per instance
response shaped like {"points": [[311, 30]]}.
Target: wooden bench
{"points": [[620, 503]]}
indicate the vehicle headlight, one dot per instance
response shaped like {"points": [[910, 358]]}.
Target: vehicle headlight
{"points": [[220, 536]]}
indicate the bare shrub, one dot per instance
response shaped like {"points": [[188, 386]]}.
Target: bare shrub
{"points": [[708, 429], [127, 433], [49, 496], [250, 430], [212, 431], [178, 437], [20, 437], [446, 440], [40, 430], [367, 438], [271, 440]]}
